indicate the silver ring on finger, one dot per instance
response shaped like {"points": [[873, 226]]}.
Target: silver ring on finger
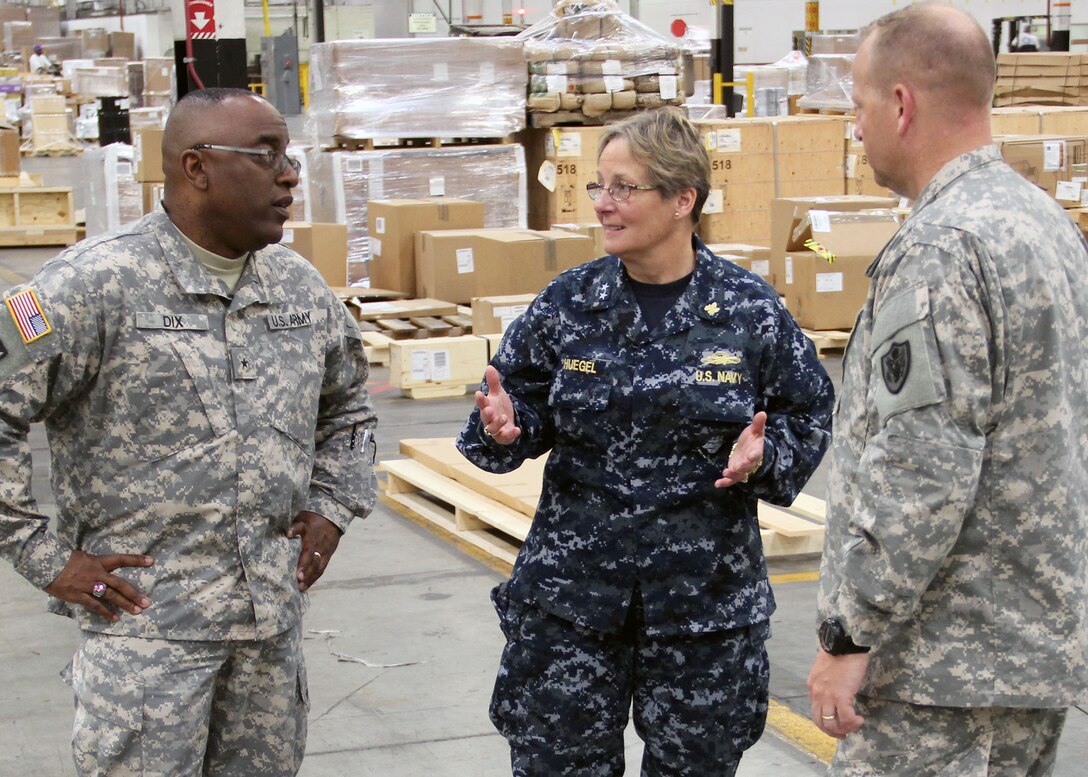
{"points": [[98, 590], [828, 717], [318, 554]]}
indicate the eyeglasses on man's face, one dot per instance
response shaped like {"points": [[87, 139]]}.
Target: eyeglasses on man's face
{"points": [[277, 160], [619, 192]]}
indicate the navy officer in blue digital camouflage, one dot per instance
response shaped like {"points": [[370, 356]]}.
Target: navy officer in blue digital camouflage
{"points": [[673, 390]]}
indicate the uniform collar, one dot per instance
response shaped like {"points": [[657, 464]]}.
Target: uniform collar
{"points": [[953, 170], [252, 287]]}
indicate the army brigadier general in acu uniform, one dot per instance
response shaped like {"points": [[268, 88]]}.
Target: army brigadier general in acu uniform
{"points": [[673, 391], [203, 393]]}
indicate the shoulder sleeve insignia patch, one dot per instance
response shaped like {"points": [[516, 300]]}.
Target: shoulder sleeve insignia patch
{"points": [[29, 317], [895, 366]]}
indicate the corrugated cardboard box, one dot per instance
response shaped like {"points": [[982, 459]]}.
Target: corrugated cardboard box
{"points": [[787, 213], [560, 161], [826, 262], [325, 245], [122, 45], [593, 230], [1049, 162], [147, 154], [492, 315], [756, 259], [458, 265], [9, 151], [392, 226]]}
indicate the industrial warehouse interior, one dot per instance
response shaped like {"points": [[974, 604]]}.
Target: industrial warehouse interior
{"points": [[444, 149]]}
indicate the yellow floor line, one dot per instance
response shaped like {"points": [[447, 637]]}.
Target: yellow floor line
{"points": [[800, 732], [795, 577]]}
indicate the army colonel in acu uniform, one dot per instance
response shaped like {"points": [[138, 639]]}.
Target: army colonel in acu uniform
{"points": [[652, 375], [204, 397], [954, 585]]}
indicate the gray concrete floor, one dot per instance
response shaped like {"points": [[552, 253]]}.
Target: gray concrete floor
{"points": [[393, 594]]}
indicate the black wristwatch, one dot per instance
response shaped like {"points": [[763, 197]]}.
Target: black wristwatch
{"points": [[835, 641]]}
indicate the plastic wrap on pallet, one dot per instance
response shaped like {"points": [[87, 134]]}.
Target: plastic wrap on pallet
{"points": [[419, 87], [770, 88], [342, 182], [834, 42], [100, 81], [830, 83], [146, 118], [60, 49], [818, 221], [588, 56], [300, 206], [797, 64], [18, 35], [112, 196]]}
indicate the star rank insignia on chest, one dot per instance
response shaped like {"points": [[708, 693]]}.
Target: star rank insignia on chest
{"points": [[243, 365]]}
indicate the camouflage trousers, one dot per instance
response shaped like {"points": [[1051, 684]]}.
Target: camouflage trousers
{"points": [[909, 740], [172, 708], [563, 695]]}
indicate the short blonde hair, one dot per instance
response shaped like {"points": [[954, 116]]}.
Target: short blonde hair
{"points": [[667, 143]]}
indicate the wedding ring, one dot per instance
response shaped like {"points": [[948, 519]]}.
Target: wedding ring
{"points": [[828, 717]]}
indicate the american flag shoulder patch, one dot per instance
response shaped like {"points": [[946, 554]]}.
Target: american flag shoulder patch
{"points": [[29, 317]]}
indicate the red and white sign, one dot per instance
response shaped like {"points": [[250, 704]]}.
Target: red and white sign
{"points": [[200, 16]]}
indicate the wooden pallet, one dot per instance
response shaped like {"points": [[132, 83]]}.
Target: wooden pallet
{"points": [[831, 342], [419, 327], [494, 512], [576, 118]]}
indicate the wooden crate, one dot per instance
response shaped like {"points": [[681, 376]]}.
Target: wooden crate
{"points": [[437, 366], [37, 216]]}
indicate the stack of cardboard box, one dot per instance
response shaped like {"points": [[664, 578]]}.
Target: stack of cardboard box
{"points": [[1041, 78], [49, 123], [1056, 163]]}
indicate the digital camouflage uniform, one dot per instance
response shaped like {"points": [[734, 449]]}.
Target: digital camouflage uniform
{"points": [[957, 533], [186, 423], [640, 425]]}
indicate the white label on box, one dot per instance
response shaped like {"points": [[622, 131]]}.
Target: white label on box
{"points": [[667, 84], [789, 270], [827, 282], [821, 221], [505, 322], [379, 224], [1068, 191], [851, 165], [613, 84], [424, 23], [556, 69], [465, 263], [715, 201], [556, 84], [441, 72], [1053, 155], [438, 186], [353, 165], [848, 130], [517, 310], [421, 366], [441, 368], [761, 267], [1084, 196], [729, 141], [546, 175], [904, 203], [503, 311], [487, 72], [611, 67], [288, 235], [570, 144], [375, 247]]}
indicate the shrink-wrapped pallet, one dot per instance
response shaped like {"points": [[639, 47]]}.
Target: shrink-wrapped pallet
{"points": [[413, 88], [830, 83], [112, 195], [589, 57], [342, 183]]}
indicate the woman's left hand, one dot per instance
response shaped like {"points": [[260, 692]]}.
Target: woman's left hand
{"points": [[747, 454]]}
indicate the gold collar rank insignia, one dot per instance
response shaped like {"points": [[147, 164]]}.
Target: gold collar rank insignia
{"points": [[712, 309]]}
